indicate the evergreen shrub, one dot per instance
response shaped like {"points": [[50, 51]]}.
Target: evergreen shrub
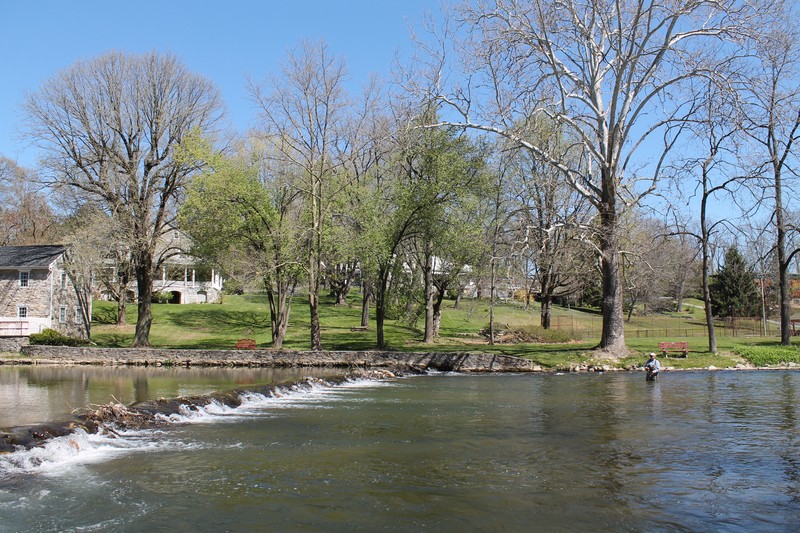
{"points": [[51, 337]]}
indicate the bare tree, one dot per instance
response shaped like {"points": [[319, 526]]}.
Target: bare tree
{"points": [[605, 72], [772, 120], [552, 219], [303, 113], [714, 165], [109, 128], [26, 216]]}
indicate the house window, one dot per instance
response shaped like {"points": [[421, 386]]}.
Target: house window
{"points": [[62, 314], [24, 278], [78, 315], [22, 311], [63, 280]]}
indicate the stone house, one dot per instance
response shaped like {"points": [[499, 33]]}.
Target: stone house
{"points": [[36, 293]]}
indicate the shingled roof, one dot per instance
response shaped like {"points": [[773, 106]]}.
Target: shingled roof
{"points": [[29, 256]]}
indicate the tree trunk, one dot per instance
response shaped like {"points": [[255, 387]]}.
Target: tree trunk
{"points": [[547, 303], [612, 339], [313, 308], [428, 275], [122, 298], [144, 281], [546, 286], [457, 302], [441, 290], [122, 312], [380, 306], [492, 276], [704, 236], [679, 295], [366, 292], [783, 262]]}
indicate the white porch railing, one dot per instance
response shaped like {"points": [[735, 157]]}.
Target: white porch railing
{"points": [[14, 328]]}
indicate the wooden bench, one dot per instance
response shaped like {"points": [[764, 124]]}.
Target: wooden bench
{"points": [[682, 347], [246, 344], [358, 328]]}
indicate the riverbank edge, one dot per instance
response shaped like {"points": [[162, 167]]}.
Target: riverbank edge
{"points": [[423, 361], [267, 357]]}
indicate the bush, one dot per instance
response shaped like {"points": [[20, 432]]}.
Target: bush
{"points": [[770, 355], [161, 297], [51, 337]]}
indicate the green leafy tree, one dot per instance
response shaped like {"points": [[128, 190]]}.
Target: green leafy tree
{"points": [[244, 214], [734, 291]]}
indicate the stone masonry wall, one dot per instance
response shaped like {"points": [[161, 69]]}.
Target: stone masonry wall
{"points": [[463, 362], [36, 296], [12, 344]]}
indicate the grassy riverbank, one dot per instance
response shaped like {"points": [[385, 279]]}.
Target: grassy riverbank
{"points": [[221, 325]]}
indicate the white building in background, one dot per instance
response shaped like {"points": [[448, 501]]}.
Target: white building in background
{"points": [[180, 279], [181, 282]]}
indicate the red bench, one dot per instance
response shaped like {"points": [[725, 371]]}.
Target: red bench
{"points": [[246, 344], [682, 347]]}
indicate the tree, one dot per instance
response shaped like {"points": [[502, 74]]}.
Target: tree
{"points": [[110, 128], [26, 216], [772, 119], [88, 233], [445, 170], [303, 115], [552, 220], [245, 210], [734, 292], [713, 161], [606, 73]]}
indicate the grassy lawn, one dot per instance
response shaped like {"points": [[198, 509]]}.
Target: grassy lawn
{"points": [[220, 325]]}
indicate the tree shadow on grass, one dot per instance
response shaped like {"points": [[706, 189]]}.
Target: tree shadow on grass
{"points": [[224, 322]]}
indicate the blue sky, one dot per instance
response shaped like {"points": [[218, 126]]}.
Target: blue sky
{"points": [[224, 41]]}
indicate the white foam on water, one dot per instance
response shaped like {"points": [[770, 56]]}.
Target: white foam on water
{"points": [[81, 448]]}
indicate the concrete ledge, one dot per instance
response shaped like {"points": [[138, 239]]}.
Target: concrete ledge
{"points": [[461, 362]]}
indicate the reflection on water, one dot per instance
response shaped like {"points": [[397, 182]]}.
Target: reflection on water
{"points": [[44, 393], [695, 451]]}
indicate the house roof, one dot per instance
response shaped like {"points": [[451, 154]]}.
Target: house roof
{"points": [[29, 256]]}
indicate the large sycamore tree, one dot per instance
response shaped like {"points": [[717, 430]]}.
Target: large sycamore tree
{"points": [[109, 128], [609, 74]]}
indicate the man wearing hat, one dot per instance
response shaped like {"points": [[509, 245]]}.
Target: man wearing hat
{"points": [[652, 366]]}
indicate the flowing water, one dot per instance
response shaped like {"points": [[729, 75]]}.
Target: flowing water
{"points": [[695, 451]]}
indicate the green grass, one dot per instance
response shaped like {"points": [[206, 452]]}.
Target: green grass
{"points": [[768, 354], [198, 326]]}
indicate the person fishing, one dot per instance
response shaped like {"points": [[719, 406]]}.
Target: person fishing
{"points": [[652, 367]]}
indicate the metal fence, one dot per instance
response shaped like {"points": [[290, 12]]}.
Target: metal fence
{"points": [[661, 327]]}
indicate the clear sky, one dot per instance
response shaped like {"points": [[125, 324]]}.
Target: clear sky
{"points": [[224, 41]]}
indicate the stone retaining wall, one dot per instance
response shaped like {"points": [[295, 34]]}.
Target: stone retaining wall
{"points": [[462, 362], [13, 344]]}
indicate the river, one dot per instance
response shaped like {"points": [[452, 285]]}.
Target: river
{"points": [[695, 451]]}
